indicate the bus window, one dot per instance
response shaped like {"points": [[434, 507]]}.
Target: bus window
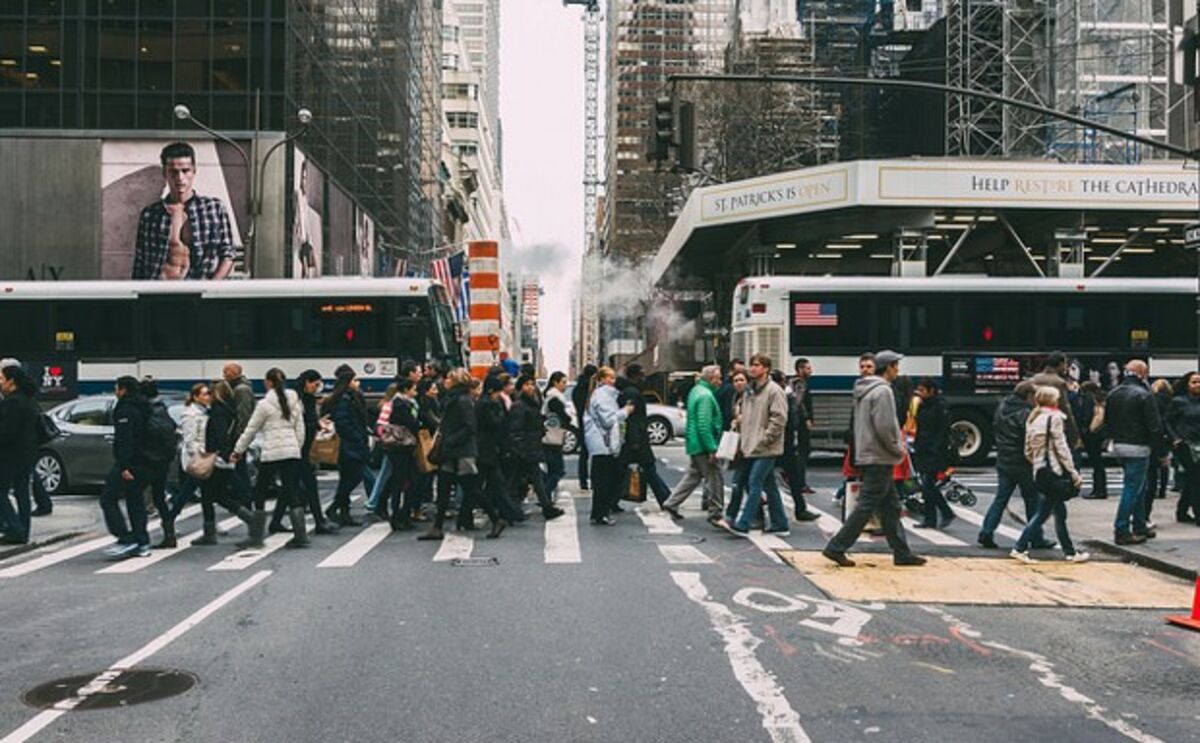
{"points": [[1092, 323], [280, 328], [1169, 321], [24, 330], [236, 322], [916, 323], [101, 328], [171, 328], [829, 322], [352, 325], [998, 322]]}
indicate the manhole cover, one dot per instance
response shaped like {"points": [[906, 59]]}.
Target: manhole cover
{"points": [[474, 562], [669, 538], [122, 689]]}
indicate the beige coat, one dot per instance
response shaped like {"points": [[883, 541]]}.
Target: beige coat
{"points": [[1036, 442], [764, 420]]}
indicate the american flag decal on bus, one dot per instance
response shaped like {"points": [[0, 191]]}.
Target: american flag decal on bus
{"points": [[815, 315]]}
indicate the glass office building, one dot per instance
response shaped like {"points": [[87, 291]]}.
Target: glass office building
{"points": [[368, 69]]}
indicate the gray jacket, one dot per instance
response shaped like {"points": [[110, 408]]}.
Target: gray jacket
{"points": [[243, 404], [877, 438], [764, 420]]}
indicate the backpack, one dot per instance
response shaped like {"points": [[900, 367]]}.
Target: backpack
{"points": [[159, 438], [47, 429]]}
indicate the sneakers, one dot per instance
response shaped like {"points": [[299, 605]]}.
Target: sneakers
{"points": [[1022, 556], [838, 557], [1079, 557], [122, 551], [143, 550], [778, 532], [603, 521], [735, 531]]}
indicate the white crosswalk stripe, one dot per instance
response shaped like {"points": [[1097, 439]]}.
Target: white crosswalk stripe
{"points": [[684, 554], [977, 519], [455, 546], [348, 555], [243, 559], [658, 522], [138, 564], [562, 536]]}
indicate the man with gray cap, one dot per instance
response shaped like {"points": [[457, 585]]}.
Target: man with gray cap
{"points": [[877, 447]]}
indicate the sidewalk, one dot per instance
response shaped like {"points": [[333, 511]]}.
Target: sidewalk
{"points": [[1176, 549], [73, 515]]}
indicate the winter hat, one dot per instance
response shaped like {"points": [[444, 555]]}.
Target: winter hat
{"points": [[345, 372], [492, 384]]}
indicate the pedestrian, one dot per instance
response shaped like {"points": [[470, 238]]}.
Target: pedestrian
{"points": [[126, 479], [739, 380], [1091, 422], [725, 393], [558, 420], [458, 457], [1047, 446], [280, 418], [579, 399], [243, 403], [789, 465], [1012, 468], [602, 424], [218, 489], [430, 415], [347, 409], [802, 392], [495, 449], [43, 506], [526, 430], [159, 448], [376, 503], [308, 385], [1054, 374], [18, 450], [761, 442], [702, 438], [1158, 474], [400, 442], [1131, 416], [931, 452], [191, 435], [1183, 427], [877, 446], [636, 451]]}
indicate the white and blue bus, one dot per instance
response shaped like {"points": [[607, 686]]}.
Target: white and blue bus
{"points": [[84, 334], [978, 336]]}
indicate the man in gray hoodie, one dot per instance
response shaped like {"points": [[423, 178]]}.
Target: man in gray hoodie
{"points": [[878, 448]]}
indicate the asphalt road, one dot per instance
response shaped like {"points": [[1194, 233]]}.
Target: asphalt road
{"points": [[638, 632]]}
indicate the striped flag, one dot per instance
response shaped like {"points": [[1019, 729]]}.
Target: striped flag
{"points": [[815, 315], [453, 273]]}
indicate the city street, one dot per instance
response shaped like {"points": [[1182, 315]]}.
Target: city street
{"points": [[646, 631]]}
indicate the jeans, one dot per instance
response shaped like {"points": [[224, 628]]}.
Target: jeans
{"points": [[1158, 475], [555, 468], [762, 476], [878, 494], [1130, 510], [737, 492], [700, 469], [1008, 480], [792, 467], [400, 491], [117, 489], [380, 482], [351, 474], [15, 523], [1046, 508], [935, 502]]}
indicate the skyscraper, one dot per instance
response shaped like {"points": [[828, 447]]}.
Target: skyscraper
{"points": [[480, 28]]}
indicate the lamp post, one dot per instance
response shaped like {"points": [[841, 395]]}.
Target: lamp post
{"points": [[256, 170]]}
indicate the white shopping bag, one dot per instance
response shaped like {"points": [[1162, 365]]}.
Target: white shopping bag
{"points": [[727, 449]]}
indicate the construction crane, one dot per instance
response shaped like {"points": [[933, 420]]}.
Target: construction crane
{"points": [[591, 116]]}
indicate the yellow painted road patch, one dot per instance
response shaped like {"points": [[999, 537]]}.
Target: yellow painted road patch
{"points": [[990, 581]]}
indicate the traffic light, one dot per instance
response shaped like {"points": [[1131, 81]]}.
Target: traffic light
{"points": [[686, 128], [662, 130]]}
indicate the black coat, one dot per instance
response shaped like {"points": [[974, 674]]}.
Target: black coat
{"points": [[932, 447], [635, 448], [129, 428], [1131, 414], [526, 429], [726, 396], [18, 433], [792, 429], [218, 432], [430, 414], [311, 423], [579, 395], [493, 431], [1183, 418], [1008, 432], [349, 417], [460, 432]]}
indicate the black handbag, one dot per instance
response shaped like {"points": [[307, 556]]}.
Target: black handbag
{"points": [[1052, 484]]}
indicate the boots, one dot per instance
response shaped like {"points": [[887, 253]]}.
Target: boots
{"points": [[299, 528], [324, 523], [433, 535], [256, 523], [168, 540], [498, 525], [210, 535], [276, 525]]}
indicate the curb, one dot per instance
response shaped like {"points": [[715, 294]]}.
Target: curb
{"points": [[30, 547], [1142, 559]]}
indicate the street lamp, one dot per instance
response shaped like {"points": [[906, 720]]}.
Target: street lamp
{"points": [[303, 115]]}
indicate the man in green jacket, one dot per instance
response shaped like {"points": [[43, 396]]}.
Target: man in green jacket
{"points": [[704, 427]]}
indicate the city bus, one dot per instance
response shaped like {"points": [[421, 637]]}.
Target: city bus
{"points": [[81, 335], [978, 336]]}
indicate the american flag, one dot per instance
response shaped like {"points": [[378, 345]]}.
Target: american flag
{"points": [[453, 273], [815, 315]]}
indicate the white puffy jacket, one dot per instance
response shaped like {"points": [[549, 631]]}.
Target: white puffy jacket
{"points": [[192, 425], [282, 438]]}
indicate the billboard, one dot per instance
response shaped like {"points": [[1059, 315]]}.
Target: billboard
{"points": [[308, 202], [364, 239], [179, 219]]}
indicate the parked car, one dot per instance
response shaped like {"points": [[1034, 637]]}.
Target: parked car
{"points": [[82, 455], [664, 422]]}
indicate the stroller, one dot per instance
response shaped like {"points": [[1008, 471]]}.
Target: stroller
{"points": [[952, 490]]}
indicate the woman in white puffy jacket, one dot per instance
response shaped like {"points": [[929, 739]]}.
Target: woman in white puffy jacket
{"points": [[280, 418]]}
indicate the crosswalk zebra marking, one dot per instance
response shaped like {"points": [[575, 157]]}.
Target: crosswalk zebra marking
{"points": [[137, 564], [684, 554], [658, 522], [348, 555], [243, 559], [562, 537], [455, 546]]}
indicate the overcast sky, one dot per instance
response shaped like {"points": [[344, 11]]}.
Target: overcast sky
{"points": [[541, 105]]}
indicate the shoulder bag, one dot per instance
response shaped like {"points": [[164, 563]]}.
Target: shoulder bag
{"points": [[1052, 484], [201, 466]]}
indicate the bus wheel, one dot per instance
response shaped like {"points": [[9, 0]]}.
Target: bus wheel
{"points": [[972, 437]]}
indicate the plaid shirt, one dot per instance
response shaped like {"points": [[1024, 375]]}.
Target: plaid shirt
{"points": [[212, 238]]}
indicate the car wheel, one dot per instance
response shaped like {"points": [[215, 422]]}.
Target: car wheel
{"points": [[659, 431], [570, 442], [51, 471], [973, 436]]}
